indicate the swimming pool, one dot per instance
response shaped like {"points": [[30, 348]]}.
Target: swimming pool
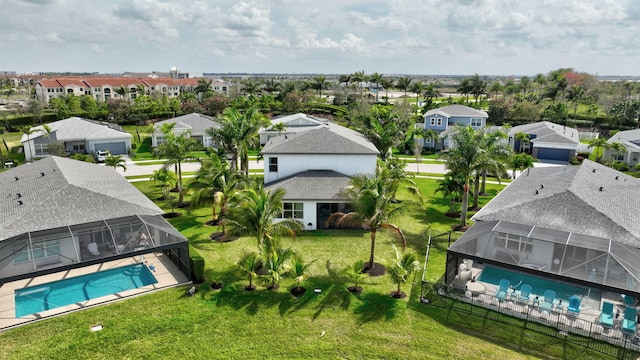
{"points": [[563, 290], [81, 288]]}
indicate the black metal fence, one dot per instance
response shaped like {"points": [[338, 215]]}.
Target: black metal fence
{"points": [[581, 333]]}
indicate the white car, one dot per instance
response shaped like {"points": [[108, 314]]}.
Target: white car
{"points": [[101, 155]]}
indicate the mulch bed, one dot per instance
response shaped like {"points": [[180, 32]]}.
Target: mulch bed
{"points": [[274, 287], [297, 292], [250, 288], [376, 270], [212, 222], [217, 236], [452, 215], [398, 295], [171, 215], [216, 285], [355, 289], [460, 228]]}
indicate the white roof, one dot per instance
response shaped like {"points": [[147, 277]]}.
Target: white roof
{"points": [[75, 128]]}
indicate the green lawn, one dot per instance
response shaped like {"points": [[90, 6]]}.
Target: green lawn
{"points": [[232, 323]]}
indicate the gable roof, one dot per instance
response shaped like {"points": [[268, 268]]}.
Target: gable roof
{"points": [[313, 185], [547, 131], [629, 138], [329, 139], [75, 128], [457, 110], [58, 192], [195, 122], [569, 198]]}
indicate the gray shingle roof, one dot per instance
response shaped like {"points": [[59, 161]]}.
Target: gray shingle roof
{"points": [[629, 138], [76, 128], [313, 185], [458, 110], [329, 139], [546, 131], [197, 123], [70, 192], [571, 201]]}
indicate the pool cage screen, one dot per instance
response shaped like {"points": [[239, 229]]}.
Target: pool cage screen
{"points": [[45, 251], [588, 260]]}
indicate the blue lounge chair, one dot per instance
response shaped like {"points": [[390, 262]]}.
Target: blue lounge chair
{"points": [[606, 315], [525, 293], [630, 320], [574, 305], [547, 301], [503, 289]]}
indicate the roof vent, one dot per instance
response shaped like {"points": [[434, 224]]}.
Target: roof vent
{"points": [[16, 178], [594, 170], [19, 195], [541, 186], [617, 177], [20, 202], [601, 188], [536, 192], [41, 174]]}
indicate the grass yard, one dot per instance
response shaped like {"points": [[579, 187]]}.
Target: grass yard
{"points": [[231, 323]]}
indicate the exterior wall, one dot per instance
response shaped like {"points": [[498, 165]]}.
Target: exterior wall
{"points": [[309, 214], [438, 119], [631, 156], [90, 147], [291, 164], [466, 121]]}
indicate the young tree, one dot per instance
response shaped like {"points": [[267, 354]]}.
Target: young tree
{"points": [[520, 162], [116, 161], [274, 258], [176, 150], [355, 275], [523, 139], [248, 264], [599, 145], [299, 269], [401, 267], [166, 178]]}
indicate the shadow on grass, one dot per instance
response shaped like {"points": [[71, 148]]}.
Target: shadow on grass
{"points": [[376, 307], [234, 296]]}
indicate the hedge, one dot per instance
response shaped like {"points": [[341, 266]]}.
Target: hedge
{"points": [[197, 268]]}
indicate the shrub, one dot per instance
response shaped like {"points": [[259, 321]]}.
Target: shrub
{"points": [[618, 165], [197, 268]]}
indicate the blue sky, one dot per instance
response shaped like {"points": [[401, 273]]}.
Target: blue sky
{"points": [[488, 37]]}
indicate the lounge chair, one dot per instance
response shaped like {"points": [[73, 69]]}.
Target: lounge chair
{"points": [[606, 315], [503, 289], [547, 301], [629, 301], [574, 305], [525, 293], [630, 320]]}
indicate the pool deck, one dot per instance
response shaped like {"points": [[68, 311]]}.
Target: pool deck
{"points": [[166, 273]]}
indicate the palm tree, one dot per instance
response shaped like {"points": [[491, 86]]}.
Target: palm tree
{"points": [[218, 184], [204, 87], [251, 86], [403, 84], [523, 139], [451, 187], [418, 89], [274, 258], [115, 162], [616, 148], [299, 272], [524, 84], [478, 87], [399, 176], [354, 274], [520, 162], [382, 127], [272, 86], [122, 91], [375, 78], [255, 214], [462, 158], [465, 88], [496, 88], [319, 83], [598, 144], [371, 197], [176, 150], [401, 267], [431, 92], [386, 84], [493, 160], [166, 178], [432, 135], [28, 130], [357, 78], [248, 264], [279, 127]]}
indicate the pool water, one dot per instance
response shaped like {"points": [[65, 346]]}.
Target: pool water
{"points": [[563, 290], [55, 294]]}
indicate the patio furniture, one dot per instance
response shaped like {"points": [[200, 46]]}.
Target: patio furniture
{"points": [[574, 305], [525, 293], [547, 300], [629, 301], [630, 320], [606, 315], [475, 288], [503, 289], [93, 248]]}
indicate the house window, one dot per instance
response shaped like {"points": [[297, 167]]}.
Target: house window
{"points": [[439, 123], [476, 122], [516, 243], [40, 250], [42, 149], [273, 164], [161, 140], [292, 210], [78, 146], [432, 121]]}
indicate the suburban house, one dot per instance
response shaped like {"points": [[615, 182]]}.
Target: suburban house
{"points": [[78, 135], [54, 208], [443, 120], [291, 124], [575, 224], [104, 88], [631, 141], [547, 141], [195, 124], [314, 166]]}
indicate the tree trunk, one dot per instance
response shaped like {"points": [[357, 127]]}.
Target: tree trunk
{"points": [[180, 194], [465, 204], [373, 247], [483, 187], [476, 191]]}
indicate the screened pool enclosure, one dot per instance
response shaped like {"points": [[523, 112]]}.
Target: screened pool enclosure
{"points": [[72, 246], [590, 261]]}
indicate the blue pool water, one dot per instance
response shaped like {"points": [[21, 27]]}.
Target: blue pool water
{"points": [[81, 288], [563, 290]]}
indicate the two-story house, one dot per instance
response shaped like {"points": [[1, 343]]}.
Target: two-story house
{"points": [[314, 167], [443, 120]]}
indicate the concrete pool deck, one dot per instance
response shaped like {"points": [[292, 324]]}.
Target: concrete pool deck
{"points": [[166, 273]]}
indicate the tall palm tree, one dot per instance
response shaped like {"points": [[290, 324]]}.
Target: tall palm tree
{"points": [[599, 144], [204, 87], [403, 84], [272, 85], [28, 130], [523, 139], [122, 91], [357, 78], [462, 158], [418, 89], [431, 92], [401, 267], [383, 128], [496, 88], [616, 149], [255, 214], [375, 78], [371, 197], [176, 150], [319, 83], [464, 88], [478, 87], [116, 161], [432, 135], [386, 85], [520, 162], [251, 86], [495, 156]]}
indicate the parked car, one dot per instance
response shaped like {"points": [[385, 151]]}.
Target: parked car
{"points": [[101, 155]]}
